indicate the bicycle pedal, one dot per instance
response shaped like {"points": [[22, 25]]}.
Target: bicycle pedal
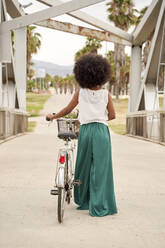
{"points": [[77, 182], [54, 192]]}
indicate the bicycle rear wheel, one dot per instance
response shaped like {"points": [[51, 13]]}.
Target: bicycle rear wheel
{"points": [[62, 192], [61, 204]]}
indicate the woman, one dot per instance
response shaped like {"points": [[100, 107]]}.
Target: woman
{"points": [[94, 159]]}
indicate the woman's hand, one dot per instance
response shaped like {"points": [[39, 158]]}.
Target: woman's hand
{"points": [[49, 117]]}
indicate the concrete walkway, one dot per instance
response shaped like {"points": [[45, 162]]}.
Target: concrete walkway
{"points": [[28, 212]]}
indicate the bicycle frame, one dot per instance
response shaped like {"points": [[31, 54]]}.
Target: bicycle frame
{"points": [[67, 153], [64, 176]]}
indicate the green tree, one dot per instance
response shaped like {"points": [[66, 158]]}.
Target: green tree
{"points": [[48, 80], [56, 82], [124, 75], [141, 14], [110, 56], [30, 85], [33, 44], [31, 73], [91, 46], [122, 14], [61, 84]]}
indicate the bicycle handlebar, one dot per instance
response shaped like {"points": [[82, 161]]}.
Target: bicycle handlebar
{"points": [[48, 119]]}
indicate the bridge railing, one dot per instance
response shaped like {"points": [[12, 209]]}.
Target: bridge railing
{"points": [[146, 124], [12, 122]]}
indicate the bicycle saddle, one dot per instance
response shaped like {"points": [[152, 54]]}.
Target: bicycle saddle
{"points": [[67, 136]]}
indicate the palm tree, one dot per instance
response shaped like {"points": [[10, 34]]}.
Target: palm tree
{"points": [[141, 14], [61, 84], [65, 84], [124, 75], [47, 80], [71, 83], [80, 53], [56, 82], [91, 46], [33, 44], [31, 73], [110, 57], [121, 13]]}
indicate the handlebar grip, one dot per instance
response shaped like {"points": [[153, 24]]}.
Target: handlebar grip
{"points": [[48, 119]]}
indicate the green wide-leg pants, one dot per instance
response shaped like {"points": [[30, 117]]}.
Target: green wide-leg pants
{"points": [[94, 169]]}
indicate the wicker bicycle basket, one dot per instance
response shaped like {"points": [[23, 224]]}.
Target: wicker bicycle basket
{"points": [[68, 128]]}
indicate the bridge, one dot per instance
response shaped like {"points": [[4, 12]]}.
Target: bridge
{"points": [[145, 118], [28, 212]]}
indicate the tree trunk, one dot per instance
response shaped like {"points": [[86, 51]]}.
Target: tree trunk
{"points": [[117, 80], [119, 60]]}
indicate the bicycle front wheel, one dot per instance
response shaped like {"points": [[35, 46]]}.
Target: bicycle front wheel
{"points": [[61, 204]]}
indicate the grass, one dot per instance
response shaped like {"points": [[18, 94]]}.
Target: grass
{"points": [[118, 125], [161, 101], [118, 128], [35, 103], [121, 108], [31, 126]]}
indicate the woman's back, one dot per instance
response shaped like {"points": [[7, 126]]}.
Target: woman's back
{"points": [[93, 106]]}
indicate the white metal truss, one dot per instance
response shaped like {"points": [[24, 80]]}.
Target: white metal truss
{"points": [[55, 11], [151, 20], [82, 16], [152, 62], [5, 89], [20, 66], [83, 31], [113, 34], [5, 57], [148, 23], [161, 60], [14, 9]]}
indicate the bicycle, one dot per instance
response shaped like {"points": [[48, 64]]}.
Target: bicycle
{"points": [[64, 177]]}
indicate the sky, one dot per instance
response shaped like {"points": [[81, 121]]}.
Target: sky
{"points": [[59, 47]]}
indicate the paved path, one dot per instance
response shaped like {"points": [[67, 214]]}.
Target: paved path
{"points": [[28, 211]]}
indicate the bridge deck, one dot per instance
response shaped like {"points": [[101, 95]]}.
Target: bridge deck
{"points": [[28, 212]]}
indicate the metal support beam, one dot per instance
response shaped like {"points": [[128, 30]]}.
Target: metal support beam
{"points": [[5, 47], [14, 9], [135, 76], [5, 39], [0, 62], [148, 23], [20, 66], [26, 20], [1, 85], [153, 57], [66, 27], [164, 92], [151, 97], [79, 30], [82, 16]]}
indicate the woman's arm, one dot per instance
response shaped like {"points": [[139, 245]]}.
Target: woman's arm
{"points": [[73, 103], [110, 107]]}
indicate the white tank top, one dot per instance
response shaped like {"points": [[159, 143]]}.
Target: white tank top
{"points": [[93, 106]]}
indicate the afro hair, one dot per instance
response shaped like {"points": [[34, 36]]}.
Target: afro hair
{"points": [[91, 71]]}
